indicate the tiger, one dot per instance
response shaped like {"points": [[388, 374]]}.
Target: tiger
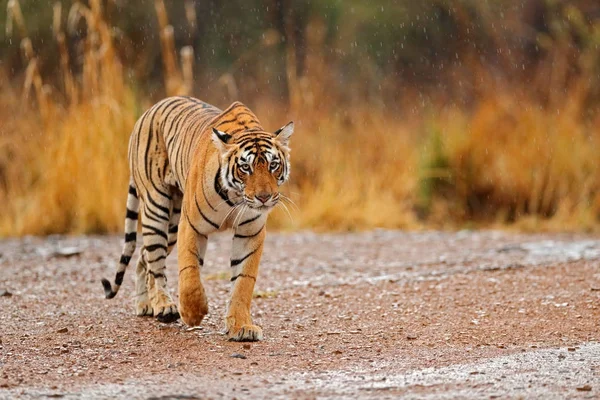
{"points": [[196, 170]]}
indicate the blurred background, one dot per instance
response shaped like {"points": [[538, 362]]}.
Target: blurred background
{"points": [[445, 114]]}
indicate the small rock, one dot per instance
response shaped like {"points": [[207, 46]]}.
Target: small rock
{"points": [[247, 346], [585, 388], [238, 355], [5, 293], [66, 252], [595, 289], [571, 348], [62, 330], [194, 328], [411, 336]]}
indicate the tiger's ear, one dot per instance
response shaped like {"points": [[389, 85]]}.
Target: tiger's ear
{"points": [[220, 139], [284, 133]]}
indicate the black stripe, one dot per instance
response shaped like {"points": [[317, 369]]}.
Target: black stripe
{"points": [[182, 117], [131, 236], [132, 191], [233, 279], [227, 121], [176, 102], [154, 247], [173, 243], [157, 259], [241, 260], [238, 130], [176, 210], [248, 236], [255, 138], [219, 188], [119, 277], [157, 274], [151, 216], [189, 266], [202, 214], [131, 214], [124, 260], [149, 140], [251, 220], [194, 228], [155, 204], [200, 259], [206, 198], [179, 118], [174, 229], [165, 114], [155, 231], [108, 293]]}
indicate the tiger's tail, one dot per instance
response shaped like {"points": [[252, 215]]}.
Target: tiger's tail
{"points": [[131, 219]]}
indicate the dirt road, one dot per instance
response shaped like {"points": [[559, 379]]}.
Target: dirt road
{"points": [[370, 315]]}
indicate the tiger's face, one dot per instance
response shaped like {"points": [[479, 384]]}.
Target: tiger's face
{"points": [[254, 164]]}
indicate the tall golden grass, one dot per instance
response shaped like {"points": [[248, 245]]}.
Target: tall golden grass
{"points": [[511, 160]]}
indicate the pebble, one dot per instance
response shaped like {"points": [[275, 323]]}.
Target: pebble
{"points": [[238, 355], [62, 330], [585, 388]]}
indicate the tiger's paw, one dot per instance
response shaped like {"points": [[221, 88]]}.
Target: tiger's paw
{"points": [[193, 305], [143, 308], [247, 333], [167, 313]]}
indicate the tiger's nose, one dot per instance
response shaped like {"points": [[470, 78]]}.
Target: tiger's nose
{"points": [[263, 197]]}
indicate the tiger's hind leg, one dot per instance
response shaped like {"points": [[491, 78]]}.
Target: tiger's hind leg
{"points": [[144, 286], [143, 306], [155, 227]]}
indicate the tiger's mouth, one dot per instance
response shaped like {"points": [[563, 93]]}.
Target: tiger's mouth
{"points": [[262, 207]]}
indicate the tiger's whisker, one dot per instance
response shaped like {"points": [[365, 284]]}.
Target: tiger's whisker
{"points": [[284, 197], [288, 212], [228, 214], [238, 217]]}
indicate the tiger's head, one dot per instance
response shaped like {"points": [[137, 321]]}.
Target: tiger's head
{"points": [[254, 164]]}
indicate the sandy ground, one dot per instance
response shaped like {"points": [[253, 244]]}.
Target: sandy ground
{"points": [[370, 315]]}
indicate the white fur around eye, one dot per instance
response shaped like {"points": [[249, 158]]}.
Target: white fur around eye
{"points": [[245, 168]]}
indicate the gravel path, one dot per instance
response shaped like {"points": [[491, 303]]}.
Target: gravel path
{"points": [[369, 315]]}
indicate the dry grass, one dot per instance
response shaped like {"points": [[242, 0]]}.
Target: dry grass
{"points": [[510, 160]]}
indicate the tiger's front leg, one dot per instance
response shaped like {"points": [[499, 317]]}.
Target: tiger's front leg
{"points": [[245, 258], [191, 247]]}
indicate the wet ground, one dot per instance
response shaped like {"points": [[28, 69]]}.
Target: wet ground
{"points": [[370, 315]]}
